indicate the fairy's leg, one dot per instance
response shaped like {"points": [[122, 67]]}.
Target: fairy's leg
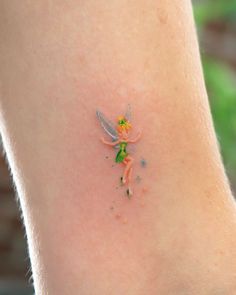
{"points": [[129, 161], [130, 174], [129, 190], [123, 178], [129, 170]]}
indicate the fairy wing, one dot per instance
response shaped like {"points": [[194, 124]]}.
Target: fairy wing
{"points": [[107, 125], [128, 113]]}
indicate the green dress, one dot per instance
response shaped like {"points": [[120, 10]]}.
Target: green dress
{"points": [[122, 154]]}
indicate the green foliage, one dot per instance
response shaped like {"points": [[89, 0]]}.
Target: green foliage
{"points": [[220, 80], [213, 10]]}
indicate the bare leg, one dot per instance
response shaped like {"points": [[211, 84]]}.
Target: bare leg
{"points": [[130, 174], [123, 179], [128, 162], [130, 191], [60, 60]]}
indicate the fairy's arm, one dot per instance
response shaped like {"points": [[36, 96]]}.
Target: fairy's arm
{"points": [[111, 143], [136, 138]]}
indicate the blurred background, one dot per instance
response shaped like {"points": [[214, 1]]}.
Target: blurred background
{"points": [[216, 24]]}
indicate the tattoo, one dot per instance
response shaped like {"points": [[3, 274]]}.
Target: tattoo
{"points": [[138, 179], [120, 138], [143, 163]]}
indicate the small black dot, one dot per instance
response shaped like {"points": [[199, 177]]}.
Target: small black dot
{"points": [[138, 179], [143, 162]]}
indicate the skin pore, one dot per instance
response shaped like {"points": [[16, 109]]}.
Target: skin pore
{"points": [[62, 60]]}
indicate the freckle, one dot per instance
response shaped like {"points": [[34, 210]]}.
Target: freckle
{"points": [[112, 208], [125, 220], [144, 189], [138, 179], [163, 17]]}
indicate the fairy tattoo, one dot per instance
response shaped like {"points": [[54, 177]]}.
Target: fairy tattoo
{"points": [[120, 139]]}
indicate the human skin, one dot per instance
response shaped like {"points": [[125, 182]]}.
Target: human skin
{"points": [[60, 61]]}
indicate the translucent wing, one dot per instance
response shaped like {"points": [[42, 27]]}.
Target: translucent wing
{"points": [[107, 125], [128, 113]]}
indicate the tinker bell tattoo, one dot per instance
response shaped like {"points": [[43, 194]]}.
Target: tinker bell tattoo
{"points": [[120, 138]]}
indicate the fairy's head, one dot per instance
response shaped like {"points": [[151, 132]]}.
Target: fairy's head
{"points": [[124, 126]]}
